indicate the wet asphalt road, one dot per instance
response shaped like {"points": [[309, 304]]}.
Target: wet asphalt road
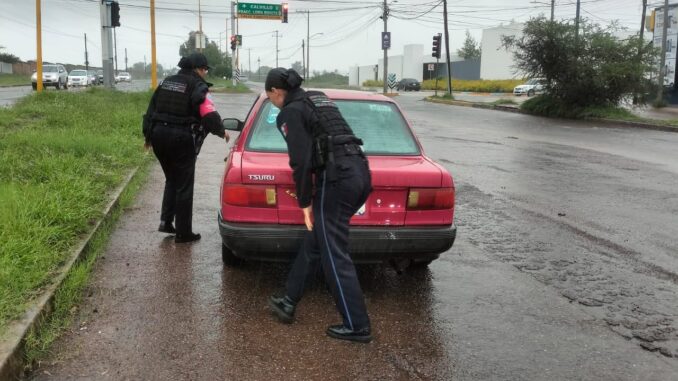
{"points": [[565, 264]]}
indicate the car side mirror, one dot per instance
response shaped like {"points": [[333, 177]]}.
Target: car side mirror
{"points": [[233, 124]]}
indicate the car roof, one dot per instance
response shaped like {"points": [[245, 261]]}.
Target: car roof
{"points": [[351, 95]]}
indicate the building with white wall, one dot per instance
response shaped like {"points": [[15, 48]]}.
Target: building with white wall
{"points": [[407, 65], [496, 62]]}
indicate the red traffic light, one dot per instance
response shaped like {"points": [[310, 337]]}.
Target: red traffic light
{"points": [[285, 8]]}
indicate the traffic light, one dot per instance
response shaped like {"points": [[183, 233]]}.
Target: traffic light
{"points": [[234, 42], [115, 14], [285, 8], [436, 45]]}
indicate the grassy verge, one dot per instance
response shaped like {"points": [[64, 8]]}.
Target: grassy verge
{"points": [[70, 293], [61, 154], [480, 86], [14, 80], [226, 86]]}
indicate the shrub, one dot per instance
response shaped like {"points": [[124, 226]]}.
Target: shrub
{"points": [[482, 86], [373, 83]]}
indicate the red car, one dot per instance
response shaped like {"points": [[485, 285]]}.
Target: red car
{"points": [[409, 215]]}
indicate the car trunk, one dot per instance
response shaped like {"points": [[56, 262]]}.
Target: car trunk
{"points": [[392, 179]]}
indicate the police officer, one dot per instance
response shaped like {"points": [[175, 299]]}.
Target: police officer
{"points": [[321, 143], [179, 116]]}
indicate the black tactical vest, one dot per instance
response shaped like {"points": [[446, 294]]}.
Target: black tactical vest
{"points": [[327, 119], [174, 99]]}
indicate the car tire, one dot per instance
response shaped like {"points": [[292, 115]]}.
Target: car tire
{"points": [[228, 257], [65, 85], [58, 85], [421, 264], [34, 86], [530, 93]]}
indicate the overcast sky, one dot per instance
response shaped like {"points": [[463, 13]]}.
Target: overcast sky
{"points": [[348, 31]]}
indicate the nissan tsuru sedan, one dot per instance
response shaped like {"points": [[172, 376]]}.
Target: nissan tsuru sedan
{"points": [[408, 216]]}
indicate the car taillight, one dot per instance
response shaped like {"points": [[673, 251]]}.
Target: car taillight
{"points": [[430, 198], [256, 196]]}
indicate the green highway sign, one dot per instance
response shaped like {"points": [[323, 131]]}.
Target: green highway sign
{"points": [[259, 11]]}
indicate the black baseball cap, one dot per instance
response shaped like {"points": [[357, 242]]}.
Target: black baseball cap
{"points": [[198, 61]]}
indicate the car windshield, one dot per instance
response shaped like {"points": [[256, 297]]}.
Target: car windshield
{"points": [[380, 125], [78, 73], [532, 82], [49, 69]]}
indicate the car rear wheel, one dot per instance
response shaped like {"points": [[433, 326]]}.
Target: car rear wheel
{"points": [[228, 257]]}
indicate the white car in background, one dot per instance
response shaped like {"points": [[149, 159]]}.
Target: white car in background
{"points": [[79, 77], [52, 75], [123, 76], [530, 88]]}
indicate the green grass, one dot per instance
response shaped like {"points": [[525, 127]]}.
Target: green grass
{"points": [[226, 86], [61, 154], [444, 96], [481, 86], [504, 101], [70, 293], [15, 80]]}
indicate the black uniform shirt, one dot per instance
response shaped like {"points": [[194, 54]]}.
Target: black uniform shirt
{"points": [[294, 123]]}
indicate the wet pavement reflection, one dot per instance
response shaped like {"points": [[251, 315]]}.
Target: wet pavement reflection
{"points": [[485, 311]]}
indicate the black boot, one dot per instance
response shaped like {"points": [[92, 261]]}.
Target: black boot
{"points": [[362, 335], [166, 227], [283, 308], [185, 238]]}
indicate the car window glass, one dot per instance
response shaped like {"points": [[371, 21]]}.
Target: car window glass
{"points": [[78, 73], [49, 69], [380, 125]]}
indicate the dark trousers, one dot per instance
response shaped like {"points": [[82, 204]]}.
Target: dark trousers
{"points": [[173, 146], [333, 206]]}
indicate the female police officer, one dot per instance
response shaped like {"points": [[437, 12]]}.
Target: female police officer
{"points": [[179, 116], [321, 143]]}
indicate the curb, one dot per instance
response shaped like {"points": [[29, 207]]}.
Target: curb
{"points": [[12, 347], [610, 123]]}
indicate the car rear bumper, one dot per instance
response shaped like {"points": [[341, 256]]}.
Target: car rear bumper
{"points": [[368, 244]]}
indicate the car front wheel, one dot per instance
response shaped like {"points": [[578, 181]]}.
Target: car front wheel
{"points": [[34, 86], [530, 93]]}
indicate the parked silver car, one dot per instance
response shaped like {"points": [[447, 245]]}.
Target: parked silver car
{"points": [[52, 75], [530, 88]]}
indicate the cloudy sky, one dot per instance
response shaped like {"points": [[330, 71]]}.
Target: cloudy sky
{"points": [[346, 32]]}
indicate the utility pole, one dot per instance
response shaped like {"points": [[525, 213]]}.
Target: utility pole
{"points": [[303, 57], [308, 43], [200, 47], [233, 63], [106, 43], [259, 68], [126, 60], [384, 16], [154, 58], [38, 35], [86, 55], [662, 68], [447, 50], [641, 43], [553, 9], [276, 48], [576, 22], [115, 47]]}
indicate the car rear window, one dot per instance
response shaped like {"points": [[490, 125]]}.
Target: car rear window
{"points": [[380, 125]]}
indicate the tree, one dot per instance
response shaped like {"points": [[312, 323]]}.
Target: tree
{"points": [[594, 69], [7, 57], [220, 61], [471, 49], [298, 67]]}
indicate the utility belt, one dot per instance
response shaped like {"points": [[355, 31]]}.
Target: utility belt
{"points": [[329, 148], [174, 121]]}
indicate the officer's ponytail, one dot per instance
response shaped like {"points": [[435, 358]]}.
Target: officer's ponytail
{"points": [[293, 79], [281, 78]]}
